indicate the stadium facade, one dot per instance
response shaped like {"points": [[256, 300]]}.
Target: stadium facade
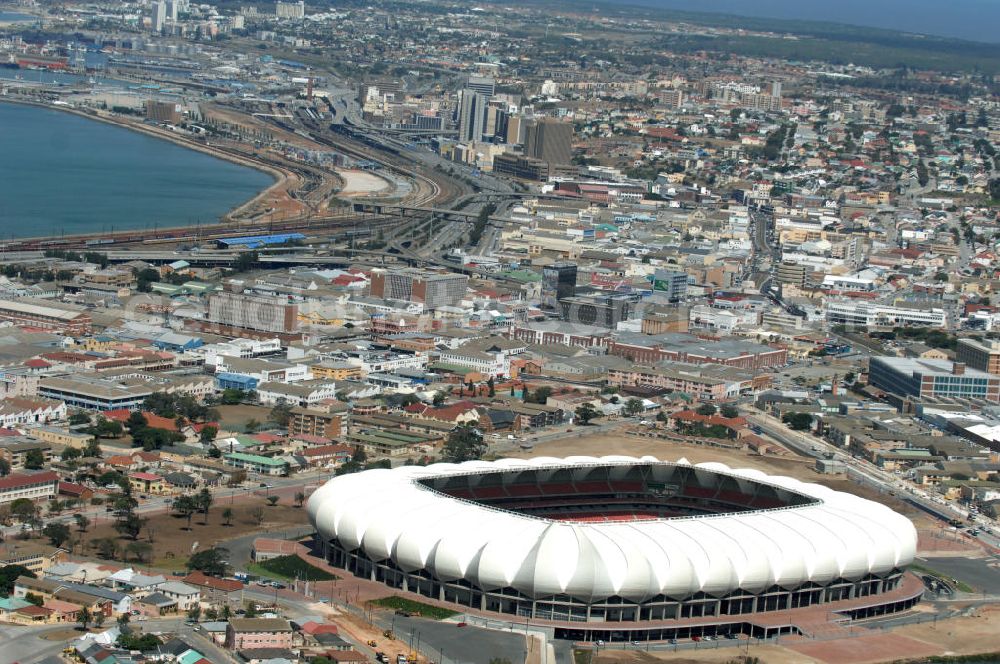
{"points": [[623, 546]]}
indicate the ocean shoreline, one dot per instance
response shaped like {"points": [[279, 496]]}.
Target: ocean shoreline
{"points": [[280, 177]]}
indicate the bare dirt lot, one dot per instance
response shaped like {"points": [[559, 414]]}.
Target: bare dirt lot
{"points": [[172, 542], [958, 636], [235, 418]]}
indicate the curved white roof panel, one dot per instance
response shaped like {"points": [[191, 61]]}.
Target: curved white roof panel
{"points": [[388, 514]]}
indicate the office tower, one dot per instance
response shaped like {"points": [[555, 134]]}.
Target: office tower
{"points": [[246, 311], [776, 89], [671, 282], [549, 140], [515, 130], [172, 10], [494, 109], [432, 289], [471, 115], [601, 310], [558, 282], [290, 9], [158, 15], [484, 85]]}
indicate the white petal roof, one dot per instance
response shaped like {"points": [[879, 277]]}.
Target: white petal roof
{"points": [[388, 515]]}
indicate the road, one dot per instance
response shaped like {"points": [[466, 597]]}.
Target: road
{"points": [[447, 643], [865, 472]]}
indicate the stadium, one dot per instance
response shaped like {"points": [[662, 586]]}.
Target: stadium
{"points": [[620, 548]]}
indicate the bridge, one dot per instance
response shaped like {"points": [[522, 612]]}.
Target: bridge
{"points": [[407, 211]]}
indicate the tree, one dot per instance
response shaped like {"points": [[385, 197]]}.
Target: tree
{"points": [[194, 613], [251, 426], [4, 467], [93, 448], [491, 385], [465, 443], [185, 506], [57, 533], [107, 548], [99, 619], [706, 409], [37, 600], [81, 522], [299, 498], [78, 418], [541, 395], [281, 414], [108, 429], [34, 460], [798, 421], [227, 516], [204, 500], [210, 561], [23, 509], [633, 407], [208, 434], [585, 413], [438, 399], [729, 411], [9, 574], [257, 514], [139, 550], [144, 642], [232, 396], [135, 422], [84, 617], [272, 501], [130, 525]]}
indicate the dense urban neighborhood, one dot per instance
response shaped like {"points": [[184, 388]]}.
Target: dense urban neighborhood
{"points": [[561, 334]]}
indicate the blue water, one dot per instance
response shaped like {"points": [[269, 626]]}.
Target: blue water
{"points": [[976, 20], [47, 77], [11, 17], [65, 174]]}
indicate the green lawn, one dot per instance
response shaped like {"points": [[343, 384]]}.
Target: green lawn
{"points": [[418, 608], [289, 568]]}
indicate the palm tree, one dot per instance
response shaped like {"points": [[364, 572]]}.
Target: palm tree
{"points": [[227, 516]]}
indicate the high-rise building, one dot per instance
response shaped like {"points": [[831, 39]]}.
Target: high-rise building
{"points": [[158, 15], [471, 115], [549, 140], [776, 89], [672, 283], [290, 9], [484, 85], [515, 130], [432, 289], [172, 9], [263, 313], [601, 310], [558, 282]]}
